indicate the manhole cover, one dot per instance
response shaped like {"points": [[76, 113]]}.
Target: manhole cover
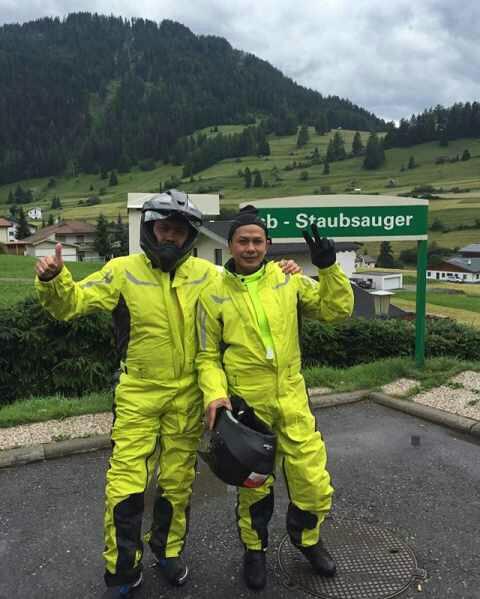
{"points": [[371, 563]]}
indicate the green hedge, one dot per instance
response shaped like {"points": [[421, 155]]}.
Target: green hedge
{"points": [[42, 356], [358, 340]]}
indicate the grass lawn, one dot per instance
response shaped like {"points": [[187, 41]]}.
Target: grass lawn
{"points": [[18, 272], [462, 316], [364, 376], [23, 267], [469, 303], [56, 407], [13, 292]]}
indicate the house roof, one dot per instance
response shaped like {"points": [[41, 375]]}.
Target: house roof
{"points": [[5, 223], [72, 227], [377, 273], [467, 264], [472, 248]]}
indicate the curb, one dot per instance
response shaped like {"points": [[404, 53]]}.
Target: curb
{"points": [[55, 449], [330, 400], [59, 449], [453, 421]]}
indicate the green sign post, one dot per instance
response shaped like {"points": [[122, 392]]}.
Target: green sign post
{"points": [[357, 218]]}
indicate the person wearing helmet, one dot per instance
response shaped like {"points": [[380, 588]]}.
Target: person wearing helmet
{"points": [[157, 405], [251, 313]]}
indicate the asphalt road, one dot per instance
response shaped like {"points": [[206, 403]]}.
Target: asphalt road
{"points": [[427, 495]]}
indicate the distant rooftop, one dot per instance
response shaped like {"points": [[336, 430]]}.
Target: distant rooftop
{"points": [[473, 248], [468, 264]]}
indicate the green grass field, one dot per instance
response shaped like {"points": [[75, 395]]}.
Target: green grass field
{"points": [[280, 182], [18, 272], [459, 302]]}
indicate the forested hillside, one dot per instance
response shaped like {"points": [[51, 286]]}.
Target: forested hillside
{"points": [[93, 93]]}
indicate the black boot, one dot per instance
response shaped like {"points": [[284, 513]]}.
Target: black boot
{"points": [[254, 569], [124, 591], [320, 560], [174, 570]]}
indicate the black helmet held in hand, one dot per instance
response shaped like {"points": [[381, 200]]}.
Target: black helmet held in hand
{"points": [[170, 204], [241, 449]]}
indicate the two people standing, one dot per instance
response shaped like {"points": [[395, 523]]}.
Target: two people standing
{"points": [[158, 403]]}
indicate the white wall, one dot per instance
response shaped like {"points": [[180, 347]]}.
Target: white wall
{"points": [[206, 249], [41, 250], [382, 282], [441, 275]]}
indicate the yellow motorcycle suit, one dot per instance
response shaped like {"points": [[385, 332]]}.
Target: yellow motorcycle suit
{"points": [[157, 405], [230, 316]]}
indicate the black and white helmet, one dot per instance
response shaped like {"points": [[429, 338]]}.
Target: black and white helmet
{"points": [[241, 448], [171, 203]]}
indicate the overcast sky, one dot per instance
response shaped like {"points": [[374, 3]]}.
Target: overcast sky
{"points": [[393, 58]]}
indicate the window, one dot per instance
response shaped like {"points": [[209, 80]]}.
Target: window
{"points": [[429, 274], [443, 275], [80, 238], [218, 257]]}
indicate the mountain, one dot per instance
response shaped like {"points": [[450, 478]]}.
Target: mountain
{"points": [[92, 92]]}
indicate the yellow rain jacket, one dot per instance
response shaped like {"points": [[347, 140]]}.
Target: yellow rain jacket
{"points": [[234, 358]]}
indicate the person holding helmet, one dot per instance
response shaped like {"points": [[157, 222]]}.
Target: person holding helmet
{"points": [[157, 405], [251, 313]]}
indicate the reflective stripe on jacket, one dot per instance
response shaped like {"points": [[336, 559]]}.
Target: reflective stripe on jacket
{"points": [[226, 314], [154, 317]]}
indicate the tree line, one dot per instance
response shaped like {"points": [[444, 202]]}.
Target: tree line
{"points": [[435, 124], [91, 92]]}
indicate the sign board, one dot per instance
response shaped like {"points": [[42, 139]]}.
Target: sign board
{"points": [[346, 218]]}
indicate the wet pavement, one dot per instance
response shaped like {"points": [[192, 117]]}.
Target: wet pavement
{"points": [[417, 480]]}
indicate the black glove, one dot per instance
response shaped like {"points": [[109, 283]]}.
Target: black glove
{"points": [[322, 250]]}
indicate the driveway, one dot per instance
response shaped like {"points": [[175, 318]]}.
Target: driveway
{"points": [[427, 493]]}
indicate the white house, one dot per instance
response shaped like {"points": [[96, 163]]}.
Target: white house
{"points": [[207, 203], [380, 281], [46, 247], [35, 213], [7, 230], [462, 268], [77, 237]]}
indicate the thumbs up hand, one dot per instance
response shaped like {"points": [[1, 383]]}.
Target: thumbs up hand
{"points": [[48, 267]]}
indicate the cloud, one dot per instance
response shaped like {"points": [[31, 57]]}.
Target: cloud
{"points": [[393, 59]]}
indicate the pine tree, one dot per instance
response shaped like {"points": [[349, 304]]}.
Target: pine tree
{"points": [[302, 138], [23, 229], [113, 179], [385, 258], [374, 153], [102, 241], [51, 220], [321, 124], [326, 168], [411, 162], [466, 155], [248, 178], [357, 145], [257, 181]]}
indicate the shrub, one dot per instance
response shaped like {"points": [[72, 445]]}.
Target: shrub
{"points": [[42, 356], [358, 341], [147, 165]]}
